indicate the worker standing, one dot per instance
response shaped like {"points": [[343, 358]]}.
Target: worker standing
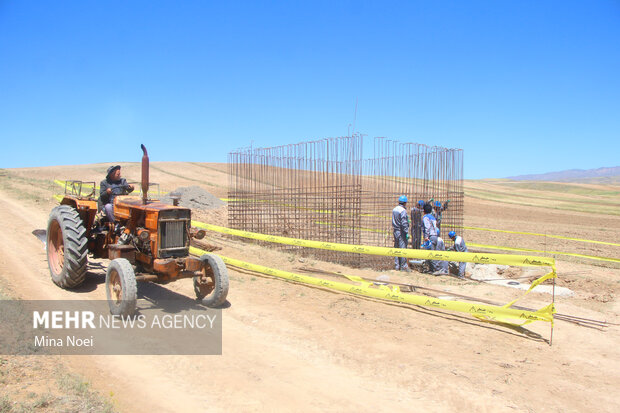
{"points": [[416, 224], [459, 246], [429, 224], [400, 226], [438, 209]]}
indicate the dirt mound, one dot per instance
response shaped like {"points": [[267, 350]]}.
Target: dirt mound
{"points": [[194, 197]]}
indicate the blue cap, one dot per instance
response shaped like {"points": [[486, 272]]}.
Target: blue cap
{"points": [[420, 202], [437, 203], [402, 199], [452, 234]]}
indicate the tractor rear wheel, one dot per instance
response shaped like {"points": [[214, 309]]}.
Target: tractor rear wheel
{"points": [[121, 288], [212, 287], [67, 247]]}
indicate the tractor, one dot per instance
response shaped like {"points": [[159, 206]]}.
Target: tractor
{"points": [[149, 242]]}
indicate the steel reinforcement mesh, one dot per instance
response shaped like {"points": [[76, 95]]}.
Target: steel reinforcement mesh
{"points": [[326, 191]]}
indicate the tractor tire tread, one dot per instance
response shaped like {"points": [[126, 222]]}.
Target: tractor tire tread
{"points": [[129, 284], [75, 247], [218, 296]]}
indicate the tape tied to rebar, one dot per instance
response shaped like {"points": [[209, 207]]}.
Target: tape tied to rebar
{"points": [[387, 218], [480, 258], [497, 247], [485, 312]]}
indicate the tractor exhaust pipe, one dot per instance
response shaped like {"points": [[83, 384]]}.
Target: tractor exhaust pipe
{"points": [[145, 174]]}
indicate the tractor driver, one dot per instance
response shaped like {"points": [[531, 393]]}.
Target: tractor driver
{"points": [[110, 187]]}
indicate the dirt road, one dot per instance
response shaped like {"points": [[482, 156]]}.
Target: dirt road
{"points": [[290, 347]]}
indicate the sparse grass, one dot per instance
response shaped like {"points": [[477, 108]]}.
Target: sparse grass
{"points": [[577, 205], [561, 188], [4, 293], [506, 193], [43, 400], [157, 168], [73, 384], [603, 180], [208, 167], [69, 392], [5, 404], [84, 399], [22, 187]]}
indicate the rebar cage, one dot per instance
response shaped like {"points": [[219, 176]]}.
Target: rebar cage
{"points": [[325, 190]]}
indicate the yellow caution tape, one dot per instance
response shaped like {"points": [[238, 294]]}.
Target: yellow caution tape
{"points": [[283, 204], [446, 225], [350, 227], [87, 185], [364, 288], [505, 259], [481, 258], [59, 182], [535, 283], [62, 183], [536, 234], [592, 257]]}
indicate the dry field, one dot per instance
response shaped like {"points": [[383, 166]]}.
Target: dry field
{"points": [[291, 347]]}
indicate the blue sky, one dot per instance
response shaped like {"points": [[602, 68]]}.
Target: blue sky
{"points": [[521, 86]]}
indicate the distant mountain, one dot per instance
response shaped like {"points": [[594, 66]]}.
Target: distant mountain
{"points": [[571, 175]]}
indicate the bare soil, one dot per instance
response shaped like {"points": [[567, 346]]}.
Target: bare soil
{"points": [[291, 347]]}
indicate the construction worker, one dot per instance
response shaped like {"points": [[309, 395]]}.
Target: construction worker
{"points": [[431, 232], [112, 186], [442, 267], [437, 210], [416, 224], [459, 246], [400, 226]]}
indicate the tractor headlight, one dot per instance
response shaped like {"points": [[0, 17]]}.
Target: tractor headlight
{"points": [[144, 235]]}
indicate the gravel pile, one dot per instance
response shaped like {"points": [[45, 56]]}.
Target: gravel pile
{"points": [[194, 197]]}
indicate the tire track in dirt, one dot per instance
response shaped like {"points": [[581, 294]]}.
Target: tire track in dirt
{"points": [[289, 347], [278, 372]]}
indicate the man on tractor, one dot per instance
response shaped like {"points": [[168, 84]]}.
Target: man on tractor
{"points": [[112, 186]]}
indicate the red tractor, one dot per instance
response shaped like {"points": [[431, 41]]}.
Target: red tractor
{"points": [[152, 245]]}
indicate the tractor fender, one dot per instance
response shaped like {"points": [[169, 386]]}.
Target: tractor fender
{"points": [[86, 209]]}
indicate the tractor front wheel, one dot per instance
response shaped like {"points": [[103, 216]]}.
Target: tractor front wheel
{"points": [[121, 288], [67, 247], [212, 287]]}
